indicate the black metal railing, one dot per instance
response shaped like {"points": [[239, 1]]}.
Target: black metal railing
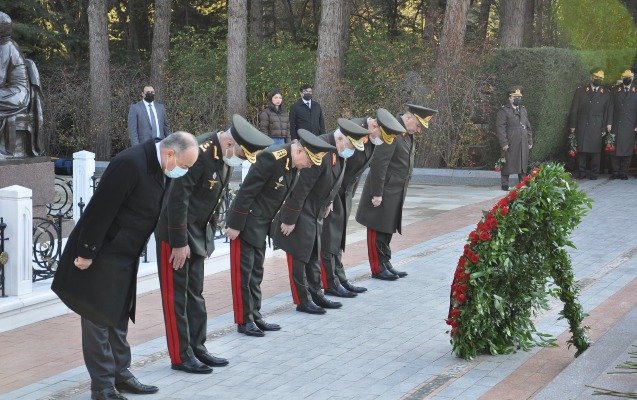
{"points": [[4, 257], [63, 198], [47, 246]]}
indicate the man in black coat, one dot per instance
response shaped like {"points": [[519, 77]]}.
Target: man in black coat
{"points": [[97, 273], [306, 114], [185, 239], [381, 204], [302, 217], [262, 192], [590, 120], [624, 116], [334, 232]]}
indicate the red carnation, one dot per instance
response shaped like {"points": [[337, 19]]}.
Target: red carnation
{"points": [[461, 262], [454, 331], [484, 236], [455, 312], [512, 195], [473, 237], [504, 210], [461, 298]]}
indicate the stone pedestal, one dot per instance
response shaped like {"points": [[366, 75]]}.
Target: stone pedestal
{"points": [[35, 173]]}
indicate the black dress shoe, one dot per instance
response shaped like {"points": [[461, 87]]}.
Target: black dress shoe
{"points": [[250, 329], [614, 176], [134, 386], [324, 302], [505, 188], [623, 177], [211, 360], [385, 276], [310, 308], [400, 274], [352, 288], [107, 394], [266, 326], [593, 177], [339, 291], [192, 366]]}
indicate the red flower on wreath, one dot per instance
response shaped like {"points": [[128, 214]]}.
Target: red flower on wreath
{"points": [[484, 236], [473, 237], [455, 312], [504, 210], [460, 298], [461, 262]]}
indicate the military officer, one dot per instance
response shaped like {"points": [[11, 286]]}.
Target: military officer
{"points": [[590, 119], [381, 203], [514, 134], [185, 238], [257, 201], [333, 275], [302, 214], [624, 126]]}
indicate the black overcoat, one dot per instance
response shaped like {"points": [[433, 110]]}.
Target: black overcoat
{"points": [[192, 200], [514, 130], [262, 192], [303, 117], [389, 174], [624, 116], [589, 116], [112, 232], [307, 203]]}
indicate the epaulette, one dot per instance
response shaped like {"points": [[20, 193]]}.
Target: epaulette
{"points": [[279, 154], [205, 145]]}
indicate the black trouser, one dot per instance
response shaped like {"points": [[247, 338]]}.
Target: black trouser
{"points": [[621, 165], [332, 270], [305, 278], [106, 353], [582, 159], [378, 250], [246, 275], [504, 178], [184, 306]]}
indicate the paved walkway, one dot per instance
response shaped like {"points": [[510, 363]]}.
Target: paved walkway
{"points": [[389, 343]]}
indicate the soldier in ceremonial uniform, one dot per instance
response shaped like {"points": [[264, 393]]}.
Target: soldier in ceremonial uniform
{"points": [[302, 215], [381, 203], [333, 275], [262, 192], [514, 134], [590, 119], [185, 238], [624, 126]]}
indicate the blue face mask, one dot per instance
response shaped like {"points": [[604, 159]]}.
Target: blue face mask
{"points": [[346, 153], [376, 141], [232, 161], [176, 172]]}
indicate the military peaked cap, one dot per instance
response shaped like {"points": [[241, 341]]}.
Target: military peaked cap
{"points": [[355, 133], [423, 114], [362, 121], [315, 147], [389, 126], [248, 137]]}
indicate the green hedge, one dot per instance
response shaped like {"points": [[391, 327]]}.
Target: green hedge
{"points": [[549, 77]]}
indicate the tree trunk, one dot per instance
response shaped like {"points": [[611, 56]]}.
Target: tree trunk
{"points": [[329, 55], [483, 21], [345, 16], [100, 78], [453, 32], [512, 17], [161, 45], [529, 10], [432, 21], [290, 13], [256, 22], [237, 42], [392, 13], [316, 15]]}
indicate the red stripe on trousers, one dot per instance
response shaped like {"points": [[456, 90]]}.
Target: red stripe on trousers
{"points": [[235, 279], [168, 297], [295, 295], [372, 251], [323, 274]]}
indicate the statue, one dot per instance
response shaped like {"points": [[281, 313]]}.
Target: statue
{"points": [[21, 117]]}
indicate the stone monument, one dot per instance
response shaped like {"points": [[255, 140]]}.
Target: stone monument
{"points": [[22, 140]]}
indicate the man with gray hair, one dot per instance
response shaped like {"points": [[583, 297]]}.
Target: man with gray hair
{"points": [[96, 276]]}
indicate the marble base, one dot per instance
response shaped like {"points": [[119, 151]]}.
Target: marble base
{"points": [[35, 173]]}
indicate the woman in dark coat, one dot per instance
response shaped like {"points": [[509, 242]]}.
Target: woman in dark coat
{"points": [[273, 120]]}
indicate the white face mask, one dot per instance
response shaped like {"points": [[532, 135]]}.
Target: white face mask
{"points": [[346, 153], [376, 141], [232, 161], [176, 172]]}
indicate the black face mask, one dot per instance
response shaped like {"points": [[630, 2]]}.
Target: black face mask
{"points": [[149, 97], [597, 82], [307, 97], [517, 102], [627, 81]]}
